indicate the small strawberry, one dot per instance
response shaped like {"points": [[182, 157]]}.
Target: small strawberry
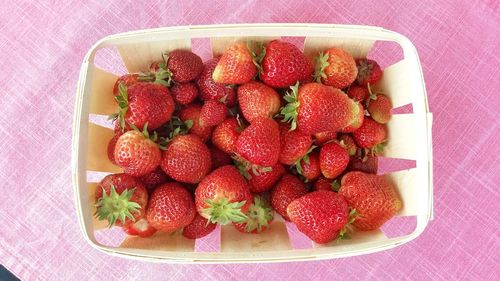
{"points": [[210, 90], [212, 113], [288, 189], [380, 107], [137, 153], [154, 179], [111, 146], [223, 196], [326, 184], [182, 65], [170, 207], [357, 121], [186, 159], [333, 159], [225, 135], [121, 199], [236, 66], [140, 228], [264, 181], [374, 197], [258, 100], [259, 216], [284, 65], [336, 68], [184, 93], [367, 164], [294, 145], [348, 142], [127, 80], [324, 137], [369, 72], [358, 93], [198, 228], [320, 215], [370, 134], [193, 112], [309, 166], [219, 158], [259, 143]]}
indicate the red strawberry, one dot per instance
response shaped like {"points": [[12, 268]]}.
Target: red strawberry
{"points": [[326, 184], [259, 216], [294, 145], [336, 68], [128, 80], [186, 159], [333, 159], [379, 108], [321, 215], [236, 66], [374, 197], [184, 93], [288, 189], [324, 137], [219, 158], [170, 207], [264, 181], [370, 134], [357, 121], [223, 196], [198, 228], [226, 134], [284, 64], [111, 146], [315, 108], [309, 167], [154, 179], [259, 143], [136, 153], [258, 100], [209, 90], [367, 164], [212, 113], [144, 103], [183, 65], [121, 199], [140, 228], [358, 93], [368, 72], [348, 142], [192, 112]]}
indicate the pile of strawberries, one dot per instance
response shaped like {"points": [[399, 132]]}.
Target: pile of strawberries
{"points": [[261, 128]]}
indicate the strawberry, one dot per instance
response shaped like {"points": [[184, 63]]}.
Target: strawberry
{"points": [[320, 215], [284, 64], [315, 108], [288, 189], [236, 66], [370, 134], [219, 158], [183, 65], [369, 72], [111, 146], [374, 197], [335, 67], [170, 207], [121, 199], [223, 196], [128, 80], [226, 134], [348, 142], [154, 179], [140, 228], [259, 143], [137, 153], [326, 184], [358, 93], [144, 103], [367, 164], [380, 107], [333, 159], [324, 137], [357, 121], [264, 181], [212, 113], [186, 159], [193, 112], [294, 145], [184, 93], [198, 228], [309, 166], [258, 100], [210, 90], [259, 216]]}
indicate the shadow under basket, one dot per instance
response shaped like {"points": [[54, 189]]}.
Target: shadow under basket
{"points": [[409, 138]]}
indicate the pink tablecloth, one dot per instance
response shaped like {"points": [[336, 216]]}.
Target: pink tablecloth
{"points": [[42, 47]]}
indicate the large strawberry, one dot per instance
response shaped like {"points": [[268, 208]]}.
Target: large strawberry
{"points": [[370, 135], [170, 207], [288, 189], [179, 65], [259, 143], [265, 180], [335, 67], [315, 108], [137, 153], [140, 228], [258, 100], [223, 196], [184, 93], [259, 216], [210, 90], [225, 135], [284, 65], [154, 179], [321, 215], [333, 160], [236, 66], [374, 198], [294, 145], [193, 112], [380, 107], [121, 199], [369, 72], [198, 228], [212, 113], [186, 159]]}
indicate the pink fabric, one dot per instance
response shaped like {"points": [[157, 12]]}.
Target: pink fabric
{"points": [[42, 47]]}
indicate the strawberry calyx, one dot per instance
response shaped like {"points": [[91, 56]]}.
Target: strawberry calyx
{"points": [[223, 212], [257, 56], [304, 158], [259, 215], [176, 127], [116, 206], [344, 231], [244, 166], [321, 63], [122, 100], [290, 111]]}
